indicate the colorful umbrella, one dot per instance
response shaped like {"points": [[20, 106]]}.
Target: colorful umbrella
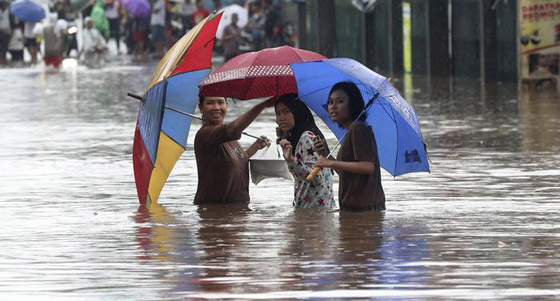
{"points": [[161, 131], [257, 74], [137, 8], [397, 131], [27, 11]]}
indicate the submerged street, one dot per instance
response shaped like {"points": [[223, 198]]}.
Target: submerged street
{"points": [[483, 224]]}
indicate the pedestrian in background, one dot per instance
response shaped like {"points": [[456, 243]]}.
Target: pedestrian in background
{"points": [[272, 27], [158, 27], [255, 26], [16, 45], [231, 38], [112, 11], [5, 30], [31, 41], [94, 45], [139, 28], [200, 13], [53, 37], [186, 10]]}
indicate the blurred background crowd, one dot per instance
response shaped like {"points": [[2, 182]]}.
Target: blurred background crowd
{"points": [[89, 29]]}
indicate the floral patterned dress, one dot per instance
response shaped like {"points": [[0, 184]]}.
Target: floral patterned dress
{"points": [[319, 192]]}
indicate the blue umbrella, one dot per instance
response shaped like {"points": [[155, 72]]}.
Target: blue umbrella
{"points": [[394, 123], [27, 11]]}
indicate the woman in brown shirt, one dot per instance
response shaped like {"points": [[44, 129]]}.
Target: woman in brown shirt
{"points": [[223, 170], [357, 161]]}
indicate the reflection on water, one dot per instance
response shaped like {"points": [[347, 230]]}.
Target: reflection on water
{"points": [[540, 121], [483, 224]]}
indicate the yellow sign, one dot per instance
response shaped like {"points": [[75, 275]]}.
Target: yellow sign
{"points": [[539, 38]]}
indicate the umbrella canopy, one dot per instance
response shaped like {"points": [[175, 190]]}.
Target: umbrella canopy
{"points": [[242, 14], [397, 131], [27, 11], [137, 8], [161, 133], [257, 74]]}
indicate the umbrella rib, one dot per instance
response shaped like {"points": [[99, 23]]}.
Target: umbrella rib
{"points": [[397, 152], [389, 113], [300, 57]]}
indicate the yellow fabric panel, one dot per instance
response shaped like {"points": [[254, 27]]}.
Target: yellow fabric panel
{"points": [[173, 57], [167, 155]]}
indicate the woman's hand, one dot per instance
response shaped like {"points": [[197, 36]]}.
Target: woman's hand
{"points": [[279, 133], [286, 150], [270, 102], [320, 147], [324, 162], [262, 142]]}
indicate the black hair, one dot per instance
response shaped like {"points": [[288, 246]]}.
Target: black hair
{"points": [[303, 120], [355, 99], [201, 100]]}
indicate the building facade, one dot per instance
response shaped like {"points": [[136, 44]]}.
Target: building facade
{"points": [[458, 38]]}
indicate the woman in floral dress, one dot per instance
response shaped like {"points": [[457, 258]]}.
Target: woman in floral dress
{"points": [[296, 132]]}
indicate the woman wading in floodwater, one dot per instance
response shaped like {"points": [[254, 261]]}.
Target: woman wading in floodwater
{"points": [[357, 161], [297, 132], [223, 170]]}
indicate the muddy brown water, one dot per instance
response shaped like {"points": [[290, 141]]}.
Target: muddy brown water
{"points": [[484, 224]]}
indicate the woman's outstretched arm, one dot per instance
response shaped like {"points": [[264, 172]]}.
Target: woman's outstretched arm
{"points": [[242, 122]]}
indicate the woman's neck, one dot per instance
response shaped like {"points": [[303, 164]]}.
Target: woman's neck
{"points": [[214, 123]]}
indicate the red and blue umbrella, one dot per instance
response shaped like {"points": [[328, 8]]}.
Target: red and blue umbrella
{"points": [[162, 127], [257, 74], [27, 11], [397, 132]]}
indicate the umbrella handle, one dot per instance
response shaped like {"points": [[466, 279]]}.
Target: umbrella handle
{"points": [[313, 173]]}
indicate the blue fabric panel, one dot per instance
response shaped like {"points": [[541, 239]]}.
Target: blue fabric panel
{"points": [[176, 126], [380, 117], [411, 154], [149, 119], [182, 94]]}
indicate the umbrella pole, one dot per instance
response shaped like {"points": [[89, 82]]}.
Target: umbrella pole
{"points": [[316, 170], [138, 97]]}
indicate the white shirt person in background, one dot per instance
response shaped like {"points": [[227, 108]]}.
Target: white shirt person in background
{"points": [[94, 46], [157, 22]]}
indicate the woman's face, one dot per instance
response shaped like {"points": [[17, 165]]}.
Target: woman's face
{"points": [[214, 109], [284, 117], [339, 107]]}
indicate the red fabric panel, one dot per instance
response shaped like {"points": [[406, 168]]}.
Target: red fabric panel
{"points": [[252, 87], [142, 166], [199, 54]]}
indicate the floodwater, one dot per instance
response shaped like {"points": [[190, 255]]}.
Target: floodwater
{"points": [[484, 224]]}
